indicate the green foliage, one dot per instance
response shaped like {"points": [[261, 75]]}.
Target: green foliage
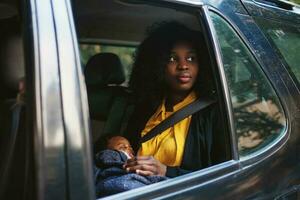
{"points": [[295, 1], [87, 51]]}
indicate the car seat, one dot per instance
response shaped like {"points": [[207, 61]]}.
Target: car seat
{"points": [[108, 100]]}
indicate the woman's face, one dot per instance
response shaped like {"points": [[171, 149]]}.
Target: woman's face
{"points": [[182, 68]]}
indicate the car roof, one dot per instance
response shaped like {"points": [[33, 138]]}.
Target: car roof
{"points": [[115, 20]]}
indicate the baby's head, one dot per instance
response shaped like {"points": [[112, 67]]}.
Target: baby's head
{"points": [[120, 143]]}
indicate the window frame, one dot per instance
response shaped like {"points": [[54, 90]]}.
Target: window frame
{"points": [[184, 183], [279, 141]]}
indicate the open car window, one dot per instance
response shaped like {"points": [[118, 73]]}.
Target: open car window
{"points": [[108, 58]]}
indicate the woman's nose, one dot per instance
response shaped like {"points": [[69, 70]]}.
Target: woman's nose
{"points": [[182, 64]]}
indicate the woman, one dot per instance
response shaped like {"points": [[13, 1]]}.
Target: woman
{"points": [[169, 73]]}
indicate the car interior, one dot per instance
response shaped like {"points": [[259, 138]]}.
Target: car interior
{"points": [[119, 24], [109, 33], [15, 143], [103, 27]]}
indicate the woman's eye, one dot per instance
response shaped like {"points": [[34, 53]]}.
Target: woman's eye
{"points": [[172, 59], [190, 59]]}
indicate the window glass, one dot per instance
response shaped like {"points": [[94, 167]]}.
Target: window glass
{"points": [[258, 115], [125, 54], [286, 39]]}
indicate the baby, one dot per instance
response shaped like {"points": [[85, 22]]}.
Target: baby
{"points": [[110, 177], [120, 143]]}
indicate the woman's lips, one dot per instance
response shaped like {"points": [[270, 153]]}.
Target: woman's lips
{"points": [[184, 78]]}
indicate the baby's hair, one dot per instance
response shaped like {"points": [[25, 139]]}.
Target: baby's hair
{"points": [[102, 142]]}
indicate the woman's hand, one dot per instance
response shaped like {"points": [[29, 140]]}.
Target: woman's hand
{"points": [[146, 166]]}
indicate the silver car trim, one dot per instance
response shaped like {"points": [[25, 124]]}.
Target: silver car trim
{"points": [[78, 147], [48, 125]]}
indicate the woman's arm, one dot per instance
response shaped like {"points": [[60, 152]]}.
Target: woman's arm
{"points": [[147, 166]]}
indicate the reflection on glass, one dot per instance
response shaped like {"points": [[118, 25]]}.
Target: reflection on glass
{"points": [[258, 115], [286, 39]]}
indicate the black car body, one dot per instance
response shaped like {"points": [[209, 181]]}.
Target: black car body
{"points": [[48, 151]]}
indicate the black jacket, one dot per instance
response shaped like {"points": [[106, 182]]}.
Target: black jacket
{"points": [[206, 144], [111, 178]]}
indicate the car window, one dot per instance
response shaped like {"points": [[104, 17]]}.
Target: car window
{"points": [[125, 54], [258, 116], [285, 38], [118, 110]]}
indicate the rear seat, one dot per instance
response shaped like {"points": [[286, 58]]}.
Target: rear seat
{"points": [[108, 100]]}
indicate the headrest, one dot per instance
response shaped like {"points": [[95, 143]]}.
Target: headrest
{"points": [[103, 69]]}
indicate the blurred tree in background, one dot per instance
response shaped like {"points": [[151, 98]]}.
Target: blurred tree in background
{"points": [[295, 1]]}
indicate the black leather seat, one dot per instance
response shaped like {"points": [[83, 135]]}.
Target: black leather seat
{"points": [[108, 100]]}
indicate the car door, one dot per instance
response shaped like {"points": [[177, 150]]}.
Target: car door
{"points": [[279, 21], [254, 94], [62, 155], [259, 108]]}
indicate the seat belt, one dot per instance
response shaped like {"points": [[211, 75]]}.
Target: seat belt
{"points": [[179, 115]]}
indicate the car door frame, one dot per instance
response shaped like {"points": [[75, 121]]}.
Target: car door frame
{"points": [[62, 148]]}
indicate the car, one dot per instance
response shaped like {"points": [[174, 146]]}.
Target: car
{"points": [[53, 115]]}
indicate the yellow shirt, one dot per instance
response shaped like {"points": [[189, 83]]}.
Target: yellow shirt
{"points": [[168, 146]]}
